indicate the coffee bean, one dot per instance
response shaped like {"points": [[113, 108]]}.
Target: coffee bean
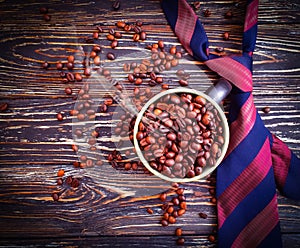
{"points": [[163, 197], [59, 116], [196, 5], [110, 37], [180, 241], [114, 44], [3, 107], [87, 71], [116, 5], [183, 82], [59, 65], [266, 110], [164, 222], [71, 59], [118, 35], [136, 37], [68, 91], [143, 35], [211, 238], [207, 13], [69, 180], [160, 44], [226, 36], [59, 181], [120, 24], [172, 220], [228, 14], [45, 65], [97, 60], [181, 212], [43, 10], [127, 28], [203, 215], [100, 29], [178, 232], [78, 77], [70, 65], [149, 211], [47, 17], [111, 56], [55, 196]]}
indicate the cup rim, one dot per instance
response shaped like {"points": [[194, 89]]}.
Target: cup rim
{"points": [[207, 170]]}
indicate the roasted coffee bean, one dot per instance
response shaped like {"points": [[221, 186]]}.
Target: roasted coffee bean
{"points": [[45, 65], [78, 77], [55, 196], [180, 241], [226, 36], [114, 44], [47, 17], [143, 35], [136, 37], [120, 24], [196, 5], [97, 60], [100, 29], [116, 5], [111, 56], [59, 65], [178, 232], [59, 116], [163, 197], [160, 44], [3, 107], [149, 211], [172, 220], [70, 65], [183, 82], [43, 10], [118, 35], [127, 28], [211, 238], [110, 37], [228, 14], [71, 59], [203, 215], [164, 222], [219, 49], [266, 110], [68, 91], [207, 13], [87, 71]]}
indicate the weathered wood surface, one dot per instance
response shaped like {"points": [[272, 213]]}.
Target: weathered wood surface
{"points": [[34, 145]]}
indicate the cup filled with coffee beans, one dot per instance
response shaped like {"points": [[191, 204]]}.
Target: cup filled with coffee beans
{"points": [[182, 134]]}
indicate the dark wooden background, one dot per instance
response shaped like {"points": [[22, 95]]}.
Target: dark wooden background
{"points": [[105, 210]]}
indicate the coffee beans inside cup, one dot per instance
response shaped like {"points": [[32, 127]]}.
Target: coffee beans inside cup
{"points": [[181, 134]]}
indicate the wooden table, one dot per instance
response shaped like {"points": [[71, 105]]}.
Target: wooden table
{"points": [[105, 210]]}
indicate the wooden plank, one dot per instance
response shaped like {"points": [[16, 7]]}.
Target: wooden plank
{"points": [[109, 203]]}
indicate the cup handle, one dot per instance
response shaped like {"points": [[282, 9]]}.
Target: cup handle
{"points": [[219, 91]]}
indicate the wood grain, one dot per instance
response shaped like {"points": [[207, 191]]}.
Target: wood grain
{"points": [[109, 203]]}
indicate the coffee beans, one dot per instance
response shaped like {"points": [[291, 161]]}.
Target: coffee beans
{"points": [[266, 110], [59, 116], [192, 131], [226, 36], [116, 5], [3, 107], [111, 56]]}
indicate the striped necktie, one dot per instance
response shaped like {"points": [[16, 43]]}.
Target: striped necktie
{"points": [[256, 161]]}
